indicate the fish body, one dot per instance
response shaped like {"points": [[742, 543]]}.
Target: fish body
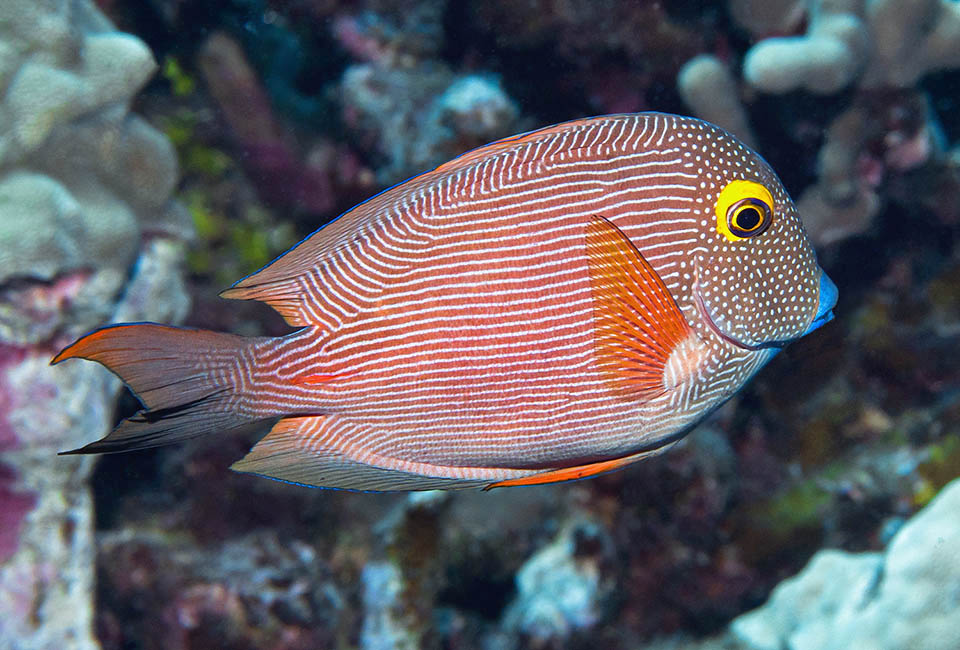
{"points": [[550, 306]]}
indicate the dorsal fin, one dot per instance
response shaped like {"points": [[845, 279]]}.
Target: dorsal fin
{"points": [[285, 282], [284, 295], [468, 158], [637, 323]]}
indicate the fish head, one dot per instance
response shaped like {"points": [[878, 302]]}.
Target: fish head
{"points": [[757, 280]]}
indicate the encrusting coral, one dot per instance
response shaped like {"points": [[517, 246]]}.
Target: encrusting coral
{"points": [[905, 597]]}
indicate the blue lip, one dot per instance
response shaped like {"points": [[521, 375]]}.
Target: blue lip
{"points": [[828, 300]]}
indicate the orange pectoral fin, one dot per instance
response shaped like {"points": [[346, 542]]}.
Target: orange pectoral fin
{"points": [[637, 323], [578, 471]]}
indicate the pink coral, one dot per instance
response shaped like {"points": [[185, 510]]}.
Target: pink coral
{"points": [[274, 165], [14, 507]]}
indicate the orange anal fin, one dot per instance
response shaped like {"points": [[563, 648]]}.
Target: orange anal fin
{"points": [[576, 472], [637, 323], [317, 451]]}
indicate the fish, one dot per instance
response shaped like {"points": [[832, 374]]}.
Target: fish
{"points": [[548, 307]]}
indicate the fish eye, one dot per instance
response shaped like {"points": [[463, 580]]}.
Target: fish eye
{"points": [[744, 209], [748, 217]]}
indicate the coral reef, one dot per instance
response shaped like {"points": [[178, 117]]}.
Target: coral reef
{"points": [[563, 586], [710, 90], [905, 597], [877, 44], [877, 50], [280, 173], [825, 59], [411, 113], [250, 592], [85, 196]]}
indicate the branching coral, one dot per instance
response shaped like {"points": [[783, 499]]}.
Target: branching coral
{"points": [[877, 51]]}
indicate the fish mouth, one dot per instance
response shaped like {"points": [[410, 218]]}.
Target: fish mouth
{"points": [[827, 301]]}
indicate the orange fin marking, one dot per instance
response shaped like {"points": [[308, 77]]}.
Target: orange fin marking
{"points": [[578, 471], [637, 323], [93, 346], [311, 380]]}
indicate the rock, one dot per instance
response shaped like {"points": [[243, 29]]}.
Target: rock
{"points": [[46, 410], [906, 597], [420, 117], [384, 627], [252, 591], [563, 587]]}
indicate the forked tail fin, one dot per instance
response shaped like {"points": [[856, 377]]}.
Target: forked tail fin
{"points": [[188, 380]]}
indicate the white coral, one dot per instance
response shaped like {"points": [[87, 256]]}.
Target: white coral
{"points": [[907, 597]]}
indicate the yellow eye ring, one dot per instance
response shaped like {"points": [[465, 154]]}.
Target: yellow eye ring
{"points": [[744, 209], [748, 217]]}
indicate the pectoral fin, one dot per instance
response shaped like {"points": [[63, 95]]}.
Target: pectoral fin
{"points": [[637, 323]]}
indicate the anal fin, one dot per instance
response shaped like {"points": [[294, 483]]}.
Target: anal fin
{"points": [[578, 471], [316, 451]]}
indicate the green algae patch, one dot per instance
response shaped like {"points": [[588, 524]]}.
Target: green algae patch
{"points": [[941, 467], [789, 522], [181, 83]]}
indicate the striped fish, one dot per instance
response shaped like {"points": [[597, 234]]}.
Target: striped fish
{"points": [[548, 307]]}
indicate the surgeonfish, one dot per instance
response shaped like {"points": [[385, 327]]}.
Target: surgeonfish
{"points": [[547, 307]]}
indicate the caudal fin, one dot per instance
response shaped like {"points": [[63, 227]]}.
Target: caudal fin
{"points": [[187, 380]]}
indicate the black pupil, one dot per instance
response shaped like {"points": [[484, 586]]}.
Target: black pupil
{"points": [[748, 218]]}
